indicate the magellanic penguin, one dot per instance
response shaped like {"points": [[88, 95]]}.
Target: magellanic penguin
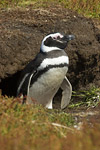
{"points": [[43, 76]]}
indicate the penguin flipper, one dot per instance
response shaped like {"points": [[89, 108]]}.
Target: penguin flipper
{"points": [[23, 87], [67, 92]]}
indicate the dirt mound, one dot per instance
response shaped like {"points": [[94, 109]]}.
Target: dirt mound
{"points": [[21, 32]]}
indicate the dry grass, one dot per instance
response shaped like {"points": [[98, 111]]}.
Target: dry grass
{"points": [[89, 8], [87, 139], [86, 7], [34, 127]]}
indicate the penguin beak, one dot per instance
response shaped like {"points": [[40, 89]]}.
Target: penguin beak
{"points": [[68, 37]]}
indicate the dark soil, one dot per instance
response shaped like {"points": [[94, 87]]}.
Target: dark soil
{"points": [[21, 33]]}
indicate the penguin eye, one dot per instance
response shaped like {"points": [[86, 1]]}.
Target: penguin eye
{"points": [[56, 38]]}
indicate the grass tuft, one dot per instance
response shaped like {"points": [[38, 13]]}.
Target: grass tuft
{"points": [[87, 98], [14, 115], [35, 127]]}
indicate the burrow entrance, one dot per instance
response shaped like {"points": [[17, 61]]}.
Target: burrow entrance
{"points": [[9, 85]]}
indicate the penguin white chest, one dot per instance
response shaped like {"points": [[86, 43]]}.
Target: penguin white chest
{"points": [[54, 77], [47, 84]]}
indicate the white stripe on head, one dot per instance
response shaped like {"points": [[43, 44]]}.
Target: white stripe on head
{"points": [[46, 48], [53, 35], [53, 61]]}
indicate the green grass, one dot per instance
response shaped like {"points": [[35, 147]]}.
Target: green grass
{"points": [[86, 98], [90, 8]]}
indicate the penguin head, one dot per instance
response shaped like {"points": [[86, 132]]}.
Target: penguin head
{"points": [[55, 41]]}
